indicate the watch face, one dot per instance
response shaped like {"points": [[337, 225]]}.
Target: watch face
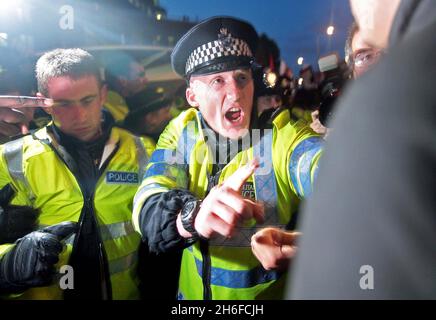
{"points": [[189, 206], [188, 216]]}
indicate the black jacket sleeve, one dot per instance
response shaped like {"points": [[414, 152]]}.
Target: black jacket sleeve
{"points": [[158, 220], [15, 221]]}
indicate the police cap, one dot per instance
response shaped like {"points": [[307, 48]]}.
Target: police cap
{"points": [[215, 45]]}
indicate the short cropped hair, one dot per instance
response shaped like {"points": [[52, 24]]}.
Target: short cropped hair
{"points": [[74, 63]]}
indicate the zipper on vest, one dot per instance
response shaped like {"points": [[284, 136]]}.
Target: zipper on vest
{"points": [[105, 283], [106, 286], [88, 206], [204, 248], [204, 244]]}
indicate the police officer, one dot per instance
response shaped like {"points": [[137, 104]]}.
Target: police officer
{"points": [[126, 78], [211, 185], [80, 169], [150, 115]]}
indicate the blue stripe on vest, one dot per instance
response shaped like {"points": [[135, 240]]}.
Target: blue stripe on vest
{"points": [[173, 172], [238, 279], [300, 164], [265, 183], [162, 155], [156, 169]]}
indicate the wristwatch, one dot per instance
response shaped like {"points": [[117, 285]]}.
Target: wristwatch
{"points": [[188, 214]]}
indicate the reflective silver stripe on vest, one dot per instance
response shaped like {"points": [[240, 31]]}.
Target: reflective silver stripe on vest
{"points": [[13, 153], [266, 192], [14, 157], [108, 232], [265, 180], [116, 230], [241, 238], [142, 157], [145, 189], [112, 231], [116, 265], [123, 263]]}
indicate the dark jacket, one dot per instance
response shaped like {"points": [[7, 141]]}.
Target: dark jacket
{"points": [[369, 228]]}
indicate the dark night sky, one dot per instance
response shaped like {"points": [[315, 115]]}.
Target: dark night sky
{"points": [[296, 25]]}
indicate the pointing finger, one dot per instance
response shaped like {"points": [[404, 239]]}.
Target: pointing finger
{"points": [[238, 178], [24, 101]]}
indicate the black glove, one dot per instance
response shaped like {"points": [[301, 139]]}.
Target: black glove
{"points": [[31, 262], [15, 221]]}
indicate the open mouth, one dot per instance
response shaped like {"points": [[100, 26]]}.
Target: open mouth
{"points": [[234, 115]]}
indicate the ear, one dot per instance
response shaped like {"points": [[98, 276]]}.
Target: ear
{"points": [[191, 98], [49, 110], [150, 119]]}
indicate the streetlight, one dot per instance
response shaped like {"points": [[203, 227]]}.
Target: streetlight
{"points": [[330, 30], [300, 61], [271, 79]]}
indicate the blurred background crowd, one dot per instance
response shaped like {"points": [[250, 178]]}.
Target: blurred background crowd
{"points": [[133, 40]]}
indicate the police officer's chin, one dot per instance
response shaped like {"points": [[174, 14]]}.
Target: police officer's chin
{"points": [[234, 132], [237, 134], [88, 134], [235, 123]]}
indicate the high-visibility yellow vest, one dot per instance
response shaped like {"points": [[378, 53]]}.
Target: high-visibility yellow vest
{"points": [[39, 169], [116, 105], [288, 155]]}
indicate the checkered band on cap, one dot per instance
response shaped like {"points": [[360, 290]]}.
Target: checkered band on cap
{"points": [[216, 49]]}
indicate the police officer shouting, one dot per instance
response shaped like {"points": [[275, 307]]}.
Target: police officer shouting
{"points": [[194, 195]]}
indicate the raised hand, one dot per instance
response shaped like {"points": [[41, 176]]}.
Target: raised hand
{"points": [[224, 206], [274, 248], [24, 102]]}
